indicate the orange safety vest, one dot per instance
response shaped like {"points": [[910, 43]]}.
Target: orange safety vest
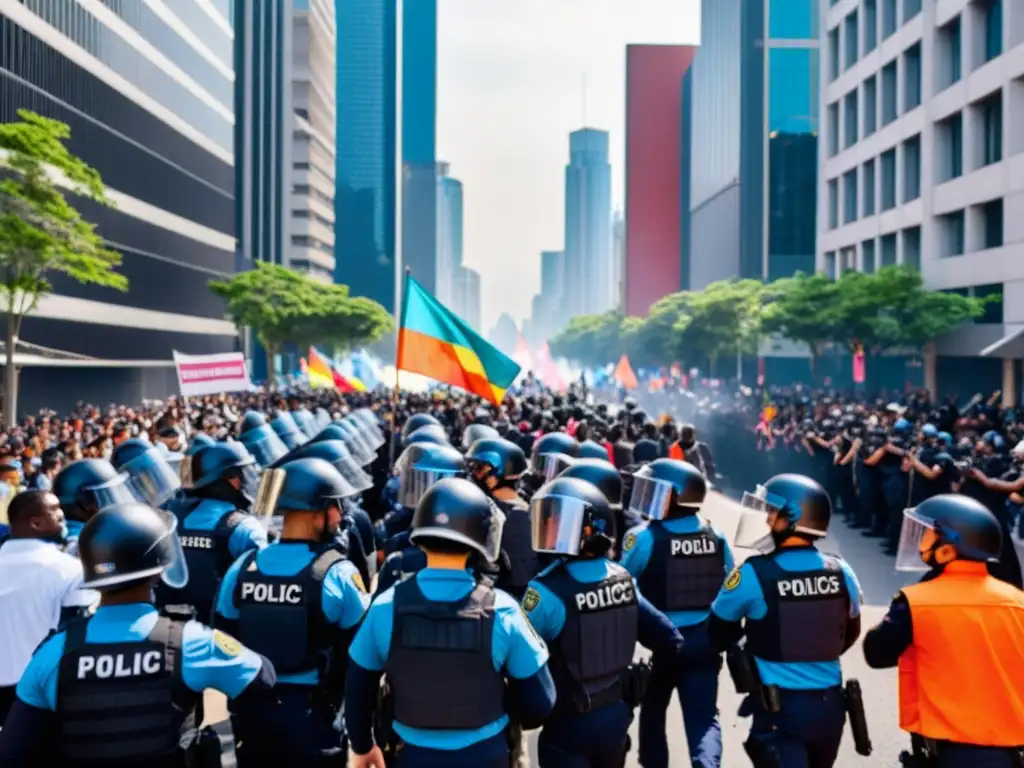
{"points": [[675, 452], [962, 678]]}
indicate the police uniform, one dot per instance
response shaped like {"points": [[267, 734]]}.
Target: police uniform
{"points": [[680, 565], [523, 562]]}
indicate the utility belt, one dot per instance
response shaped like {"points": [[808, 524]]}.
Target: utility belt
{"points": [[925, 753], [630, 688], [200, 747]]}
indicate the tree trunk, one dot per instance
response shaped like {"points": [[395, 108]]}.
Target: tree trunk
{"points": [[271, 369], [11, 374]]}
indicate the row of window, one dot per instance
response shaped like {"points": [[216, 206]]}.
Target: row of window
{"points": [[877, 253], [305, 241], [322, 220], [305, 189], [847, 45], [986, 229], [910, 155]]}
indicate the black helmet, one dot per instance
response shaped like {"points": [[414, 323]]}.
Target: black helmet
{"points": [[129, 543], [215, 462], [288, 430], [556, 442], [571, 517], [505, 459], [252, 420], [666, 486], [351, 435], [199, 441], [421, 466], [310, 485], [331, 432], [601, 474], [456, 511], [91, 485], [336, 453], [552, 454], [591, 450], [958, 520], [477, 431], [797, 498], [151, 477], [429, 433], [416, 421], [263, 443]]}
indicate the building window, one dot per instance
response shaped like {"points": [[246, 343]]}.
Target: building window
{"points": [[889, 18], [868, 188], [888, 250], [992, 224], [870, 25], [911, 169], [912, 247], [870, 105], [833, 54], [850, 118], [889, 89], [949, 54], [993, 15], [888, 180], [833, 129], [793, 20], [993, 313], [953, 229], [851, 32], [850, 196], [830, 265], [833, 204], [910, 9], [992, 129], [867, 256], [912, 78], [949, 144]]}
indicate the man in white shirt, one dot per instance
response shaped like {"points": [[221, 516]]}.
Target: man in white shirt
{"points": [[39, 585]]}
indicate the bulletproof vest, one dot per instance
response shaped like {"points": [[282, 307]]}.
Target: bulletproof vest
{"points": [[282, 618], [122, 704], [440, 665], [598, 639], [808, 612], [207, 554], [517, 543], [685, 570]]}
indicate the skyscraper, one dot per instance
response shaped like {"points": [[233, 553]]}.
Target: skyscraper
{"points": [[148, 97], [467, 297], [657, 178], [548, 315], [589, 273], [619, 259], [449, 234]]}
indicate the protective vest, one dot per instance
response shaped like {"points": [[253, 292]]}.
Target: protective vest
{"points": [[517, 543], [808, 612], [962, 678], [282, 617], [685, 570], [122, 704], [207, 553], [440, 665], [597, 641]]}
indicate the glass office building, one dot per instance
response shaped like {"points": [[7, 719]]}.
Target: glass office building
{"points": [[589, 272], [147, 92]]}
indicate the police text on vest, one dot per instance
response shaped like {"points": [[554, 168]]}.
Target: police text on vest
{"points": [[272, 593], [810, 586], [688, 547], [196, 542], [618, 593], [108, 665]]}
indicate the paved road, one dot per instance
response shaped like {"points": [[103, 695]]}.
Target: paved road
{"points": [[879, 581]]}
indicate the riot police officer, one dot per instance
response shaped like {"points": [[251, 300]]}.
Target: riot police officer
{"points": [[430, 433], [459, 655], [286, 428], [122, 687], [214, 526], [478, 431], [85, 487], [496, 465], [602, 474], [551, 454], [296, 602], [933, 470], [895, 480], [589, 611], [800, 611], [680, 561], [956, 638], [150, 476], [260, 439]]}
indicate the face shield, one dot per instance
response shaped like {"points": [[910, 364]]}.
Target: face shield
{"points": [[373, 439], [250, 474], [113, 492], [909, 550], [286, 429], [370, 422], [151, 478], [492, 549], [360, 450], [414, 481], [557, 524], [264, 505], [306, 423], [651, 498], [323, 418], [550, 465], [354, 475], [264, 445], [175, 574], [754, 530]]}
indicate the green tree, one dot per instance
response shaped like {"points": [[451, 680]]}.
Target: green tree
{"points": [[651, 341], [345, 321], [722, 319], [806, 309], [590, 340], [40, 231]]}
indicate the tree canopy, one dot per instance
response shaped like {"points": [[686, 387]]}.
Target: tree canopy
{"points": [[885, 311]]}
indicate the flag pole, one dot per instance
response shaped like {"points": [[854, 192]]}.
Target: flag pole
{"points": [[396, 393], [398, 224]]}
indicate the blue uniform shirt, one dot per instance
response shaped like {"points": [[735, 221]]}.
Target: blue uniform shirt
{"points": [[743, 598], [398, 565], [248, 534], [344, 595], [209, 659], [516, 648], [638, 545]]}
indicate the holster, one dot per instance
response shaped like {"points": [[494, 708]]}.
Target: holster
{"points": [[858, 719], [204, 751], [746, 678], [383, 721], [635, 681]]}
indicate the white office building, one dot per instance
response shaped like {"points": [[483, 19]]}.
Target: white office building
{"points": [[922, 160], [314, 52]]}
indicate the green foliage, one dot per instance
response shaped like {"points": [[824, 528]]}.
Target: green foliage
{"points": [[590, 339], [805, 309], [725, 317]]}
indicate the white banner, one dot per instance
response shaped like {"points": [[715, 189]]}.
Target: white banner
{"points": [[212, 374]]}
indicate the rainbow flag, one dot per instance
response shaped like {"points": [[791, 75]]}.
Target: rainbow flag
{"points": [[433, 341], [318, 371]]}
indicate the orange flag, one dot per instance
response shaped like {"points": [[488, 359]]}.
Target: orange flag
{"points": [[624, 375]]}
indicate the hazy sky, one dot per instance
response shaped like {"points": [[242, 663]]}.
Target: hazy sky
{"points": [[510, 89]]}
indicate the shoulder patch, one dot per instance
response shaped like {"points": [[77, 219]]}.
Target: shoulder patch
{"points": [[357, 579], [629, 542], [226, 643], [531, 599], [732, 580]]}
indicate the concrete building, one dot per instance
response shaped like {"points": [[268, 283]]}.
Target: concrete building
{"points": [[619, 259], [467, 297], [548, 315], [923, 164], [449, 234], [313, 93], [589, 273], [147, 90]]}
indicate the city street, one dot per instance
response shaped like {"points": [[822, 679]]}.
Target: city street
{"points": [[879, 583]]}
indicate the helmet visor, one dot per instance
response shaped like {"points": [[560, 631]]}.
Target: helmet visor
{"points": [[113, 492], [323, 418], [557, 524], [354, 475], [151, 478], [908, 551], [754, 530], [651, 498], [370, 423], [414, 481], [360, 450], [264, 444], [175, 573], [372, 439], [306, 423], [550, 465]]}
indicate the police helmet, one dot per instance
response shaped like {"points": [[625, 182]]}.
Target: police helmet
{"points": [[337, 455], [571, 517], [591, 450], [798, 499], [264, 444], [454, 510], [150, 476], [199, 441], [966, 524], [129, 543], [421, 466], [252, 420], [351, 435], [901, 427], [429, 433], [993, 439], [416, 421], [305, 421], [665, 486], [288, 430], [496, 457], [372, 437], [552, 453], [220, 461], [311, 485], [929, 431], [600, 473], [478, 431], [91, 485], [946, 439]]}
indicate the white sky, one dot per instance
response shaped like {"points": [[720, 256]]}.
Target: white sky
{"points": [[510, 90]]}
